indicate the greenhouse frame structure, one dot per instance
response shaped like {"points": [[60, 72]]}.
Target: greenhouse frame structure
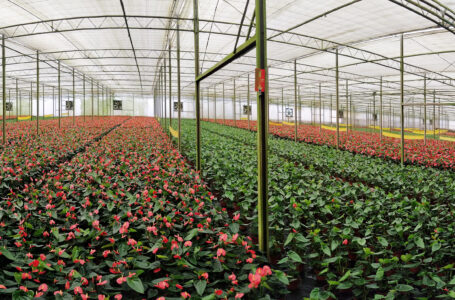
{"points": [[31, 70]]}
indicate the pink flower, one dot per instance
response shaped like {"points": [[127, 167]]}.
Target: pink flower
{"points": [[205, 275], [236, 217], [118, 297], [239, 295], [264, 271], [124, 227], [132, 242], [220, 252], [218, 292], [345, 242], [162, 284], [43, 287], [78, 290], [185, 295], [254, 279], [188, 244]]}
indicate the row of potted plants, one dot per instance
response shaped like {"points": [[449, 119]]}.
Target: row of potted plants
{"points": [[435, 153], [127, 218], [356, 239]]}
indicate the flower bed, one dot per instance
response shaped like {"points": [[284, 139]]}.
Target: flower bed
{"points": [[434, 154], [127, 219], [355, 237]]}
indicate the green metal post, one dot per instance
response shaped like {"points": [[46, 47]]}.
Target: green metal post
{"points": [[170, 91], [214, 101], [320, 108], [224, 117], [248, 104], [178, 85], [17, 101], [74, 100], [233, 102], [165, 95], [402, 98], [282, 106], [295, 100], [3, 89], [347, 109], [197, 84], [83, 87], [262, 129], [434, 114], [337, 78], [380, 108], [425, 110], [37, 93], [97, 100], [59, 97], [92, 99]]}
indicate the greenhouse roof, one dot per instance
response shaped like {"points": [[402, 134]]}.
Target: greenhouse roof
{"points": [[122, 49]]}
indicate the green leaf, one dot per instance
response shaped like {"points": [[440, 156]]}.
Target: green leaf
{"points": [[435, 247], [404, 288], [191, 234], [345, 276], [295, 257], [18, 277], [419, 242], [327, 251], [379, 274], [282, 277], [7, 254], [209, 297], [289, 238], [136, 284], [452, 282], [234, 227], [200, 286]]}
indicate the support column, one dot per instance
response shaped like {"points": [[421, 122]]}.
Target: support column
{"points": [[37, 93], [295, 100], [98, 100], [92, 99], [224, 117], [425, 110], [17, 102], [3, 90], [434, 114], [233, 102], [337, 78], [380, 108], [59, 97], [402, 98], [197, 84], [282, 106], [262, 129], [320, 108], [178, 85], [83, 87], [74, 99], [214, 101], [170, 91], [248, 104], [347, 108]]}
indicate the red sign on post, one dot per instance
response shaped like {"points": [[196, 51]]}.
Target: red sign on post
{"points": [[260, 80]]}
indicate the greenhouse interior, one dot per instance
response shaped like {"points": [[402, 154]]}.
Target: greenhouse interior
{"points": [[227, 149]]}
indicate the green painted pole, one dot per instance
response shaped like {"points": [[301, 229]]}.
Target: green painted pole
{"points": [[3, 90], [224, 117], [37, 93], [17, 101], [178, 86], [197, 84], [295, 101], [164, 93], [59, 97], [262, 129], [233, 103], [83, 87], [347, 108], [380, 108], [214, 100], [92, 98], [337, 79], [425, 110], [402, 99], [97, 100], [74, 99], [248, 104], [170, 90], [320, 108]]}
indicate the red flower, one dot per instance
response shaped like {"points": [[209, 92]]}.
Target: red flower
{"points": [[162, 284], [345, 242], [254, 279]]}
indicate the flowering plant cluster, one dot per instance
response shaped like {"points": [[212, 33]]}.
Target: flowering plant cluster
{"points": [[436, 153], [366, 231], [124, 218]]}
